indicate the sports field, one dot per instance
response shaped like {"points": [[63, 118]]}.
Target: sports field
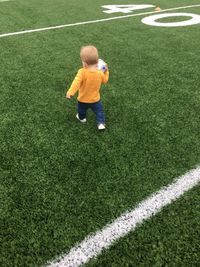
{"points": [[62, 181]]}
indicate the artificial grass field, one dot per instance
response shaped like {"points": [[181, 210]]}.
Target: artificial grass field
{"points": [[61, 180]]}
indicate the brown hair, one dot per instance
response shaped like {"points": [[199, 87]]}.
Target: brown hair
{"points": [[89, 54]]}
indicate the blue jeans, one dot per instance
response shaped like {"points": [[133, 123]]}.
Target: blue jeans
{"points": [[96, 107]]}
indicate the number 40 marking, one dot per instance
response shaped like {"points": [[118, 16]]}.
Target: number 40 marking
{"points": [[124, 8], [152, 20]]}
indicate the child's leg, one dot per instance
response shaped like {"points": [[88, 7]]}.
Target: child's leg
{"points": [[82, 110], [97, 108]]}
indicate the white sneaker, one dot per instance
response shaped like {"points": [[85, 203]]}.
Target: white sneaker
{"points": [[83, 120], [101, 126]]}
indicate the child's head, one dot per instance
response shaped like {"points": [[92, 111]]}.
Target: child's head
{"points": [[89, 55]]}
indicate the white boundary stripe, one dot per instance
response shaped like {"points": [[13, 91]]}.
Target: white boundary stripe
{"points": [[92, 21], [94, 244]]}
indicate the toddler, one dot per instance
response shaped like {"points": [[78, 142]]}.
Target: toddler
{"points": [[88, 83]]}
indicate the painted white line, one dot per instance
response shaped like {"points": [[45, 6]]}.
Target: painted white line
{"points": [[91, 21], [94, 244], [6, 0]]}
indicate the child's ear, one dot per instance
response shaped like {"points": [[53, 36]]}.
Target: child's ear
{"points": [[85, 65]]}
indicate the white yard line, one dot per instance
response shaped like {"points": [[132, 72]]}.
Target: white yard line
{"points": [[92, 21], [93, 245]]}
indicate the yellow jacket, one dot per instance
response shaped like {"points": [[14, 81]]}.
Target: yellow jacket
{"points": [[88, 83]]}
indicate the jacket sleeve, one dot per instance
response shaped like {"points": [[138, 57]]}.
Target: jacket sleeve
{"points": [[105, 76], [75, 86]]}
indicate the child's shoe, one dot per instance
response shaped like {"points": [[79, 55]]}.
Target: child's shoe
{"points": [[83, 120], [101, 126]]}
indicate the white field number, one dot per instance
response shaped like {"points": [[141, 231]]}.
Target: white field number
{"points": [[152, 20], [124, 8]]}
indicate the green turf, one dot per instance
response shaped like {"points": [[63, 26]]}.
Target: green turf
{"points": [[61, 180], [171, 238]]}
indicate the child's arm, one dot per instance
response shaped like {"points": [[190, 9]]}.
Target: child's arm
{"points": [[105, 76], [75, 86]]}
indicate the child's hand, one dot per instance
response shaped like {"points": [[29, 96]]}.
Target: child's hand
{"points": [[68, 96]]}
